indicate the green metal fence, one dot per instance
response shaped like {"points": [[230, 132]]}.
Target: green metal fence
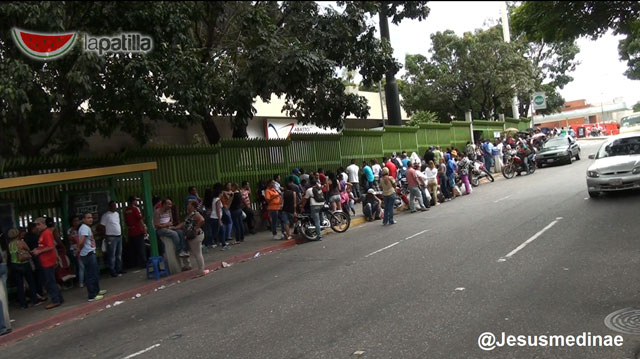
{"points": [[234, 161]]}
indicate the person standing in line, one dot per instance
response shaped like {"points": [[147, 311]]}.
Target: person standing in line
{"points": [[217, 228], [137, 231], [31, 238], [316, 202], [236, 213], [432, 182], [72, 237], [354, 178], [388, 185], [289, 205], [192, 227], [246, 208], [274, 206], [21, 267], [377, 171], [464, 167], [368, 175], [87, 251], [113, 230], [413, 183], [46, 251]]}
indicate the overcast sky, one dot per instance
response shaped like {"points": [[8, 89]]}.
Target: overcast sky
{"points": [[599, 77]]}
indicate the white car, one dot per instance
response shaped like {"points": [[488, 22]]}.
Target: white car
{"points": [[616, 166]]}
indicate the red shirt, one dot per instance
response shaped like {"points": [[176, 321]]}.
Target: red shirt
{"points": [[393, 170], [48, 259], [412, 178], [133, 218]]}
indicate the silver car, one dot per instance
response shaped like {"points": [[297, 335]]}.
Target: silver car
{"points": [[616, 166]]}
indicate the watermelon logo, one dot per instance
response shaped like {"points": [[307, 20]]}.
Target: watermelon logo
{"points": [[43, 46]]}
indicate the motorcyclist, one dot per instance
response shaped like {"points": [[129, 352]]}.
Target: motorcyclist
{"points": [[522, 153]]}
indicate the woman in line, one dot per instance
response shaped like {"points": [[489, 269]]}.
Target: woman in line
{"points": [[21, 267], [192, 227], [235, 209], [432, 182], [217, 226], [388, 185], [227, 196]]}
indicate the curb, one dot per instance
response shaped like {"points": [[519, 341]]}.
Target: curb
{"points": [[32, 329]]}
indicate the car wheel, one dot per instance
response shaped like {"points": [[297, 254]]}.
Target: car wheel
{"points": [[594, 194], [578, 157], [570, 159]]}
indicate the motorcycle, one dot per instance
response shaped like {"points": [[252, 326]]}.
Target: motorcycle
{"points": [[514, 165], [338, 221], [479, 171]]}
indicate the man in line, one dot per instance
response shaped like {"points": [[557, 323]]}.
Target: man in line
{"points": [[354, 178], [393, 169], [46, 252], [162, 220], [368, 174], [137, 231], [248, 211], [87, 251], [377, 171], [113, 235]]}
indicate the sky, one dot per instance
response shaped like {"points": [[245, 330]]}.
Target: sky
{"points": [[599, 76]]}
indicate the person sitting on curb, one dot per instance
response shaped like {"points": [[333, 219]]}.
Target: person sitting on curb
{"points": [[371, 206]]}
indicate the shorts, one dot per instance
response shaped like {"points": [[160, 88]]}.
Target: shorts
{"points": [[335, 198], [286, 218]]}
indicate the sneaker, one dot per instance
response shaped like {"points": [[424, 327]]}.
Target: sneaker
{"points": [[424, 209], [183, 254], [276, 238], [102, 292], [81, 285], [414, 211], [52, 305], [224, 248], [119, 274], [6, 331], [97, 297]]}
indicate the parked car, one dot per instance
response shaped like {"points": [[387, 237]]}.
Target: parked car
{"points": [[616, 166], [559, 149]]}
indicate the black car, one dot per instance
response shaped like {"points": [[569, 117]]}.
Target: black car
{"points": [[557, 150]]}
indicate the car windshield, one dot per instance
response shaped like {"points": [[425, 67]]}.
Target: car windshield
{"points": [[620, 147], [630, 121], [557, 142]]}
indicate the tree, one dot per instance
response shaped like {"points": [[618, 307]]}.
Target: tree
{"points": [[636, 107], [555, 21], [475, 72], [211, 58], [397, 10]]}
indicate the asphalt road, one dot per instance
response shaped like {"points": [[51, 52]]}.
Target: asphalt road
{"points": [[424, 288]]}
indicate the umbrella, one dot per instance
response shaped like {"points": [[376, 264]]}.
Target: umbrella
{"points": [[508, 130], [538, 135]]}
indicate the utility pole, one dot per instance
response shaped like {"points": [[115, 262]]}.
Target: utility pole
{"points": [[391, 87], [381, 103], [507, 38]]}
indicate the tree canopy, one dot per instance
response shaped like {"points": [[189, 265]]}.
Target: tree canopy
{"points": [[211, 58], [554, 21]]}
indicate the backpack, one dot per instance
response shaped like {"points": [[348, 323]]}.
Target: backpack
{"points": [[317, 195]]}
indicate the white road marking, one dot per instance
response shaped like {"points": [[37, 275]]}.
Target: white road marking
{"points": [[380, 250], [417, 234], [142, 351], [535, 236], [502, 199]]}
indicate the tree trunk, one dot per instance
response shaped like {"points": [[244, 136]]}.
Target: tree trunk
{"points": [[240, 129], [210, 130]]}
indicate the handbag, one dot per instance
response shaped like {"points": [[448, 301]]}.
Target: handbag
{"points": [[23, 255]]}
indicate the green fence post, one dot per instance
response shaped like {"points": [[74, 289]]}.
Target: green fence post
{"points": [[148, 210]]}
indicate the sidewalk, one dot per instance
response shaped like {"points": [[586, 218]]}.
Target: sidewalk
{"points": [[134, 284]]}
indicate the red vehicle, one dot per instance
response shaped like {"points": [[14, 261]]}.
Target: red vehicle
{"points": [[515, 165]]}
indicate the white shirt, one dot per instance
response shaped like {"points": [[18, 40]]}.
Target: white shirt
{"points": [[345, 177], [422, 175], [352, 171], [214, 210], [500, 147], [376, 170], [111, 223], [309, 195], [431, 174]]}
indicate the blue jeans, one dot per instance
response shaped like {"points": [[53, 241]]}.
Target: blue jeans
{"points": [[3, 326], [444, 186], [227, 227], [316, 216], [371, 210], [3, 273], [115, 254], [176, 236], [413, 193], [218, 232], [91, 276], [209, 236], [487, 163], [52, 285], [388, 208], [21, 272], [275, 217], [238, 224], [356, 190]]}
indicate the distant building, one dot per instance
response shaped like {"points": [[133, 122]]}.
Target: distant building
{"points": [[579, 112], [269, 121]]}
